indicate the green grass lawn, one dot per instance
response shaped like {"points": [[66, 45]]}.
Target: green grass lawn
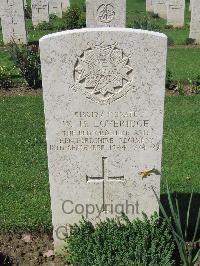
{"points": [[24, 188], [184, 63]]}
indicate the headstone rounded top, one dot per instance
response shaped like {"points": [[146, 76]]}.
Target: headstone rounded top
{"points": [[103, 29]]}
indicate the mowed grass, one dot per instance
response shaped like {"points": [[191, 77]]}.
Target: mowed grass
{"points": [[184, 63], [24, 187]]}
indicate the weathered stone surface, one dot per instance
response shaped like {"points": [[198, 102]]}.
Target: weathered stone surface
{"points": [[195, 21], [160, 8], [106, 13], [25, 3], [55, 8], [190, 5], [12, 21], [149, 5], [40, 11], [104, 102], [175, 13], [65, 5]]}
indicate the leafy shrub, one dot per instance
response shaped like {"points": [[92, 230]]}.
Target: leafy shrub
{"points": [[189, 41], [145, 23], [74, 18], [180, 88], [120, 242], [169, 82], [5, 78], [27, 59]]}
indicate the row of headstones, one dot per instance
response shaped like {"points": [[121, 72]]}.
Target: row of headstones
{"points": [[174, 11], [13, 18], [41, 9], [13, 22]]}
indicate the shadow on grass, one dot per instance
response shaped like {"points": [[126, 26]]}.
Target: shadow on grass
{"points": [[183, 201]]}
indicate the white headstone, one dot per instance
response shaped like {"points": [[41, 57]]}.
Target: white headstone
{"points": [[13, 22], [104, 103], [107, 13], [40, 11], [160, 8], [195, 21], [149, 6], [55, 8], [65, 5], [175, 13]]}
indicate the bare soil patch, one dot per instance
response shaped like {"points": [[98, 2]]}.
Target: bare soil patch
{"points": [[26, 249]]}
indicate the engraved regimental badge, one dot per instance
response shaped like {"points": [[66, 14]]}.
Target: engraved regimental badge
{"points": [[106, 13], [103, 73]]}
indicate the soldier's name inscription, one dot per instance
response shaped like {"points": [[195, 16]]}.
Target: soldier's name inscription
{"points": [[104, 131]]}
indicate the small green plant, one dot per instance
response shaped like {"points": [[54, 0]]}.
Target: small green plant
{"points": [[120, 242], [74, 18], [195, 85], [27, 59], [180, 88], [145, 23], [5, 78], [189, 41], [169, 82], [189, 251]]}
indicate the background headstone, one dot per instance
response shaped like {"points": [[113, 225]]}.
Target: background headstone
{"points": [[13, 22], [55, 8], [104, 103], [195, 21], [40, 11], [107, 13], [160, 8], [65, 5], [176, 13], [149, 6]]}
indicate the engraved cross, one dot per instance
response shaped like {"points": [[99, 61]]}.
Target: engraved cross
{"points": [[103, 179]]}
